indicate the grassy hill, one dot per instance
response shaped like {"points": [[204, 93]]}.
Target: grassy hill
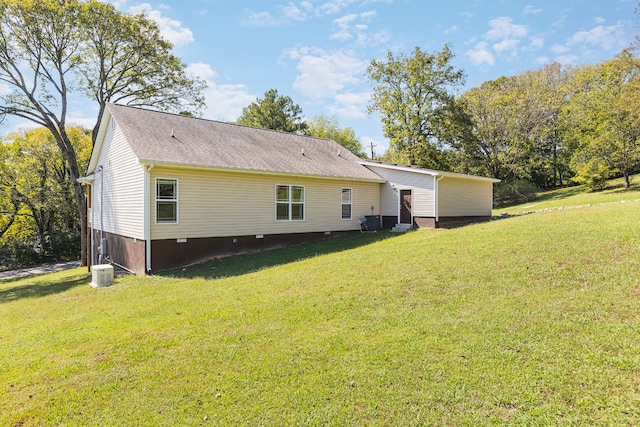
{"points": [[527, 320]]}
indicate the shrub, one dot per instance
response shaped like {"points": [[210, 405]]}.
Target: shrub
{"points": [[518, 191]]}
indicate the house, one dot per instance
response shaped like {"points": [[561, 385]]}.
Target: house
{"points": [[429, 198], [167, 190]]}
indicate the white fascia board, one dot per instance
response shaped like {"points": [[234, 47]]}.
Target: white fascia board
{"points": [[401, 168], [430, 172], [95, 154]]}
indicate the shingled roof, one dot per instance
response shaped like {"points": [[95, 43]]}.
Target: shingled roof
{"points": [[163, 138]]}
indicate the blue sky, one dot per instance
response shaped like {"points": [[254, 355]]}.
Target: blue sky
{"points": [[317, 51]]}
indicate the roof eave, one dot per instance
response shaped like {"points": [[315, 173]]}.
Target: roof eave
{"points": [[430, 172], [257, 171], [102, 130]]}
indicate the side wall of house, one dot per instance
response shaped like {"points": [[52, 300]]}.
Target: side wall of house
{"points": [[461, 197], [219, 204], [118, 190], [421, 185]]}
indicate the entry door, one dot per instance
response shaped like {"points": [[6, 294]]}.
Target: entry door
{"points": [[405, 206]]}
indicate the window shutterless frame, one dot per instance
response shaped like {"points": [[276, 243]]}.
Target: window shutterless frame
{"points": [[166, 201], [289, 203], [346, 203]]}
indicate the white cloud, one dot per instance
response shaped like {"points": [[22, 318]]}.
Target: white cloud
{"points": [[451, 30], [260, 19], [354, 27], [508, 45], [585, 45], [332, 79], [604, 37], [323, 74], [333, 7], [344, 23], [480, 55], [294, 13], [502, 39], [224, 101], [559, 49], [503, 28], [350, 105], [531, 10], [171, 29], [566, 59], [536, 42]]}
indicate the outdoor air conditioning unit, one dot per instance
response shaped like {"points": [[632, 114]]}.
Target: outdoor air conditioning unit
{"points": [[101, 275]]}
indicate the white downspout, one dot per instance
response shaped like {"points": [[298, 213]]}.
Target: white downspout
{"points": [[101, 248], [437, 207], [147, 214]]}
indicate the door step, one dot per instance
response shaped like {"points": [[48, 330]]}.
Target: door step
{"points": [[401, 228]]}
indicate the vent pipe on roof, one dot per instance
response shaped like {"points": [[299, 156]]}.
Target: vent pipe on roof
{"points": [[172, 135], [302, 152]]}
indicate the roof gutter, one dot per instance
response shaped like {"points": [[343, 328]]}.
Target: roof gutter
{"points": [[259, 172]]}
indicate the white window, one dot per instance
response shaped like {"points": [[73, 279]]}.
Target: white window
{"points": [[289, 203], [346, 203], [166, 201]]}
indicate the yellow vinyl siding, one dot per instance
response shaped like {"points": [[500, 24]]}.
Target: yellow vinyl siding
{"points": [[123, 195], [464, 197], [218, 204]]}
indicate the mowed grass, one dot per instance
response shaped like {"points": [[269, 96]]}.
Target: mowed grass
{"points": [[578, 196], [529, 320]]}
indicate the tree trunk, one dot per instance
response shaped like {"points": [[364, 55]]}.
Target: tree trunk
{"points": [[627, 181], [64, 143]]}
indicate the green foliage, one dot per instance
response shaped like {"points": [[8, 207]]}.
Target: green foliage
{"points": [[604, 117], [511, 192], [126, 60], [516, 132], [50, 49], [329, 128], [274, 111], [414, 95], [44, 224], [576, 196], [524, 321]]}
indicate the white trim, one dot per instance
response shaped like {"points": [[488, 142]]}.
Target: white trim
{"points": [[437, 198], [258, 172], [175, 199], [350, 203], [97, 149], [147, 213], [431, 172], [290, 202]]}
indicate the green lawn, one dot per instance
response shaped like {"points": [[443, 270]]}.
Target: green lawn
{"points": [[528, 320], [577, 196]]}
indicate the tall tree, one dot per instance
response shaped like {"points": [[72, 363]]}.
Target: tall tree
{"points": [[605, 114], [51, 48], [329, 127], [37, 178], [274, 111], [515, 126], [415, 97], [127, 61]]}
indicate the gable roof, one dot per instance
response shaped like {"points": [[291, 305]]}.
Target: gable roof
{"points": [[176, 140], [424, 171]]}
